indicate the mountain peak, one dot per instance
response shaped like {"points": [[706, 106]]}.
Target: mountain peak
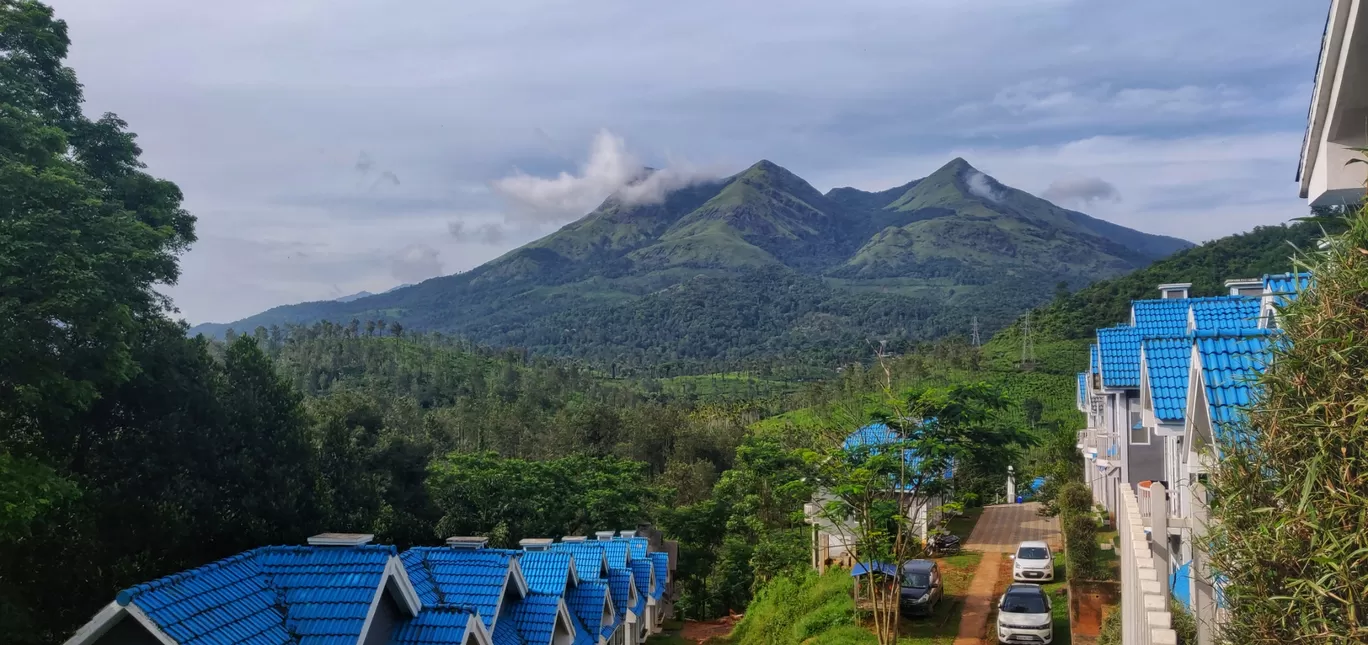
{"points": [[956, 166]]}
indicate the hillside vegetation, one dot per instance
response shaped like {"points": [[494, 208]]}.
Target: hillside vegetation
{"points": [[760, 270]]}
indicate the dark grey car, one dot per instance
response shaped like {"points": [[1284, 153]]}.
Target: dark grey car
{"points": [[921, 587]]}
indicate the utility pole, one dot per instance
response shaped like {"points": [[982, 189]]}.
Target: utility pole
{"points": [[975, 328]]}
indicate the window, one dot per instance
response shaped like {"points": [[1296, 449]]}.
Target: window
{"points": [[1138, 435]]}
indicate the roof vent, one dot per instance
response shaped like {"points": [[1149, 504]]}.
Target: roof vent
{"points": [[535, 544], [1245, 287], [629, 534], [467, 542], [1174, 290], [573, 538], [603, 535], [341, 539]]}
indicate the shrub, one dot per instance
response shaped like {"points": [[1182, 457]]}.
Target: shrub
{"points": [[1080, 530], [1291, 486]]}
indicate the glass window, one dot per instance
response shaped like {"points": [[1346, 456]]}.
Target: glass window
{"points": [[1033, 553], [1014, 603]]}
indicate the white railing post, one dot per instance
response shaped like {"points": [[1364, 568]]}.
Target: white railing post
{"points": [[1145, 617]]}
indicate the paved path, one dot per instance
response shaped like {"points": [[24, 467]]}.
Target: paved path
{"points": [[998, 532], [1005, 526]]}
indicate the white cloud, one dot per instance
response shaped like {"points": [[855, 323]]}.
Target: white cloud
{"points": [[1082, 191], [982, 186], [610, 170]]}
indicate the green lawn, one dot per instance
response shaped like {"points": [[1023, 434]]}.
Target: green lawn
{"points": [[1059, 596], [1107, 563], [942, 625]]}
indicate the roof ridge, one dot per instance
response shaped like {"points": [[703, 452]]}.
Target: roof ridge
{"points": [[130, 594], [1235, 333]]}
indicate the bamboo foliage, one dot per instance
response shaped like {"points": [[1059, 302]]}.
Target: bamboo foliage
{"points": [[1289, 541]]}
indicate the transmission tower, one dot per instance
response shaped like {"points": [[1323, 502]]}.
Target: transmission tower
{"points": [[1027, 343], [977, 341]]}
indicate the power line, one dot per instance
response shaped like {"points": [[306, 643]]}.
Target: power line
{"points": [[977, 341]]}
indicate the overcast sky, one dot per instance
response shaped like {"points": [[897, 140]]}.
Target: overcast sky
{"points": [[333, 146]]}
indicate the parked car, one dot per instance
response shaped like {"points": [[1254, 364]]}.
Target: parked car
{"points": [[921, 587], [1024, 615], [1033, 563]]}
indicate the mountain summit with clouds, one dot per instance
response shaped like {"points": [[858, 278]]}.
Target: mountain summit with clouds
{"points": [[638, 275]]}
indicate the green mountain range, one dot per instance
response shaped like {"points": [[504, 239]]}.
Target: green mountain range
{"points": [[761, 266]]}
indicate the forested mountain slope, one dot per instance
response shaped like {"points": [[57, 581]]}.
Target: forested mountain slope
{"points": [[762, 267]]}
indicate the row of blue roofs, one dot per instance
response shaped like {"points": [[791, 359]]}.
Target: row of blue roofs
{"points": [[342, 590], [1227, 333]]}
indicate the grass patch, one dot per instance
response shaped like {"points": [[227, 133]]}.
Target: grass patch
{"points": [[1060, 599], [1107, 562], [941, 627], [801, 609]]}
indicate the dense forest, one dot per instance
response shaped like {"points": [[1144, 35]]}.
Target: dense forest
{"points": [[130, 450]]}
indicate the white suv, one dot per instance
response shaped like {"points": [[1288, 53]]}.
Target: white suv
{"points": [[1024, 615], [1033, 563]]}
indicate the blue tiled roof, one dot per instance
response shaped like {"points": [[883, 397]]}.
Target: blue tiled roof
{"points": [[618, 552], [642, 575], [874, 434], [1164, 317], [620, 581], [662, 569], [470, 577], [640, 607], [879, 434], [1230, 364], [583, 635], [586, 601], [535, 616], [1119, 349], [1082, 388], [1092, 358], [506, 633], [640, 547], [1286, 284], [589, 558], [439, 625], [546, 571], [1166, 363], [1225, 313], [271, 595]]}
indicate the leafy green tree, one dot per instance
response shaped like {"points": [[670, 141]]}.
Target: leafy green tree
{"points": [[28, 489], [512, 499], [84, 233], [264, 454]]}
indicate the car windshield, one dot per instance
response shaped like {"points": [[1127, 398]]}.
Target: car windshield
{"points": [[1023, 604], [918, 580], [1032, 553]]}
